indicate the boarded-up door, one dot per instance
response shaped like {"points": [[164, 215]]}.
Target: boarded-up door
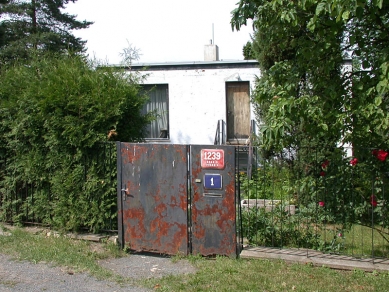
{"points": [[238, 111]]}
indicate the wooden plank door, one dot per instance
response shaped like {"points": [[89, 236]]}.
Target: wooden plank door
{"points": [[238, 111]]}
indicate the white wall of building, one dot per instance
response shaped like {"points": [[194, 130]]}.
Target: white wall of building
{"points": [[197, 100]]}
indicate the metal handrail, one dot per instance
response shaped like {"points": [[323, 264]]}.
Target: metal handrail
{"points": [[220, 133]]}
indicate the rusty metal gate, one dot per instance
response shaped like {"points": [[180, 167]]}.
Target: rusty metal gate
{"points": [[177, 199]]}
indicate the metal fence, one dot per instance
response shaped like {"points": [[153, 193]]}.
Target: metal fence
{"points": [[333, 200]]}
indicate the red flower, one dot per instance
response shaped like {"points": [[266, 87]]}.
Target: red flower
{"points": [[373, 200], [381, 155], [321, 204], [325, 164], [322, 173], [354, 161]]}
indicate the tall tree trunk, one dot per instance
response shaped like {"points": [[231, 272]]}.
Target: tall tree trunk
{"points": [[34, 23]]}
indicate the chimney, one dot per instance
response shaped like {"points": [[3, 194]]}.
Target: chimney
{"points": [[211, 52]]}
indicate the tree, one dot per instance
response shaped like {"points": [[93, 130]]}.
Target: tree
{"points": [[324, 84], [248, 52], [305, 93], [37, 25]]}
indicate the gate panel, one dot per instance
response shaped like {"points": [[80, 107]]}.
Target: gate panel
{"points": [[213, 200], [152, 197]]}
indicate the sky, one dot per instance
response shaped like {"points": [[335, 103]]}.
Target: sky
{"points": [[162, 30]]}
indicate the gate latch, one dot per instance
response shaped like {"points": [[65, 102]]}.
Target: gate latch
{"points": [[125, 192]]}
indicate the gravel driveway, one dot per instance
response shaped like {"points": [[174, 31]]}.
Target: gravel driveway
{"points": [[27, 276]]}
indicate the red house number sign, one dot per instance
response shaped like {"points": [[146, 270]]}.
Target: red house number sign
{"points": [[212, 158]]}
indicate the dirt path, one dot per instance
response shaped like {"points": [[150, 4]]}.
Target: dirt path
{"points": [[26, 276]]}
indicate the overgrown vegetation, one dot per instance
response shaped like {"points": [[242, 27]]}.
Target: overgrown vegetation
{"points": [[319, 202], [324, 72], [58, 114], [323, 86]]}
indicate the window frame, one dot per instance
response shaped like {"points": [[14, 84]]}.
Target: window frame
{"points": [[164, 134]]}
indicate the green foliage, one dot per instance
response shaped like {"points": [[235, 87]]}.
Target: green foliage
{"points": [[311, 102], [248, 52], [306, 96], [35, 26], [270, 181], [277, 228], [330, 193], [56, 114]]}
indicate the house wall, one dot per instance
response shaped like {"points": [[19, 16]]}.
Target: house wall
{"points": [[197, 100]]}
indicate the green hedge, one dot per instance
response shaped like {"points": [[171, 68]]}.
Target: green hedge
{"points": [[55, 113]]}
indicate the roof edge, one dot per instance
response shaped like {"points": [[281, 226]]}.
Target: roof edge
{"points": [[191, 65]]}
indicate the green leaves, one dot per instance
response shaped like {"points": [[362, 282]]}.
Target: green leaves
{"points": [[37, 26], [55, 114], [305, 92]]}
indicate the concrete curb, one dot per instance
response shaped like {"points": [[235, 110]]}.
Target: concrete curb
{"points": [[315, 258]]}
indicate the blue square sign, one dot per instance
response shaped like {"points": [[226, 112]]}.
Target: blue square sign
{"points": [[213, 181]]}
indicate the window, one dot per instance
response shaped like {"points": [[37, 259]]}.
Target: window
{"points": [[158, 103]]}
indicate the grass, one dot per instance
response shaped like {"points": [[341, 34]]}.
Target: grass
{"points": [[365, 241], [360, 241], [217, 274], [75, 255], [224, 274]]}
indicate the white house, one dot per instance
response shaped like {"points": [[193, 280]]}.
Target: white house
{"points": [[193, 98]]}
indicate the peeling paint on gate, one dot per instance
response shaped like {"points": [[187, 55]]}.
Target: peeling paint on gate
{"points": [[213, 217], [153, 201], [154, 207]]}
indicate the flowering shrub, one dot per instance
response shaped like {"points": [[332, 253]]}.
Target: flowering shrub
{"points": [[373, 200], [325, 164], [329, 189], [354, 161], [380, 154]]}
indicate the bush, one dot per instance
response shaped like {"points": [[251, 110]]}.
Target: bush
{"points": [[332, 192], [55, 114], [277, 228]]}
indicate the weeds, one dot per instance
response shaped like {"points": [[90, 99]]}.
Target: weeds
{"points": [[75, 255]]}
